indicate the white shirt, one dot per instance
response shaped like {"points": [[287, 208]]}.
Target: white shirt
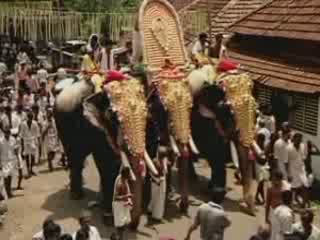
{"points": [[7, 150], [42, 75], [280, 150], [198, 48], [297, 169], [265, 131], [283, 221], [93, 234], [29, 134]]}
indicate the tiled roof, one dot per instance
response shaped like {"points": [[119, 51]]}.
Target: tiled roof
{"points": [[293, 19], [232, 12], [277, 73], [215, 6]]}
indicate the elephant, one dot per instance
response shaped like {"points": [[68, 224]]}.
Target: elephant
{"points": [[111, 127], [213, 132], [233, 136]]}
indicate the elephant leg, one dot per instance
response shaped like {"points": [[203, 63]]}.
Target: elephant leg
{"points": [[137, 191], [192, 171], [183, 182], [219, 158], [108, 166], [76, 183]]}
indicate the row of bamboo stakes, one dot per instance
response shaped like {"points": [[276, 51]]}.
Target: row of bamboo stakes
{"points": [[39, 24]]}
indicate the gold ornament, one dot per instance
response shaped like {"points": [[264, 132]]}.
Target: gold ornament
{"points": [[176, 96], [128, 100], [238, 88]]}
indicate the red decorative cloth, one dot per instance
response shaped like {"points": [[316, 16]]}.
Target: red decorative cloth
{"points": [[114, 76], [227, 65]]}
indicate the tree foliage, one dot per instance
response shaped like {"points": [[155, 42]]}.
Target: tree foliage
{"points": [[100, 5]]}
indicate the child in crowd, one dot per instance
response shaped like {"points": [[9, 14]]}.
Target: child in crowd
{"points": [[50, 136], [30, 133]]}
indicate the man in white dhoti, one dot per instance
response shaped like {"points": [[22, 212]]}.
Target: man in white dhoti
{"points": [[8, 158], [18, 117], [158, 189], [280, 151], [122, 202], [283, 219], [50, 137], [297, 171], [29, 134]]}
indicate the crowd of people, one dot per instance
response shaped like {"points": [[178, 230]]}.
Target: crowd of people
{"points": [[280, 159], [28, 132]]}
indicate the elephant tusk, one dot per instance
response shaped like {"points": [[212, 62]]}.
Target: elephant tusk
{"points": [[125, 163], [174, 146], [193, 146], [234, 154], [150, 164]]}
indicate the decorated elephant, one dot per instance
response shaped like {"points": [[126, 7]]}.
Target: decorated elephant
{"points": [[234, 118], [110, 125]]}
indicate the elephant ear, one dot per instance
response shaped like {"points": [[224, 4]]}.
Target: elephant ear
{"points": [[95, 108], [100, 100]]}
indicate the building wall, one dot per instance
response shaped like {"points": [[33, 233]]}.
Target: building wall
{"points": [[314, 139], [263, 95]]}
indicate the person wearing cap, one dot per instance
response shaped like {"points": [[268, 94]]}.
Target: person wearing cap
{"points": [[211, 218], [8, 158], [86, 227], [29, 134]]}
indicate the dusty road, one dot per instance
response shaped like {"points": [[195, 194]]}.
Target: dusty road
{"points": [[47, 195]]}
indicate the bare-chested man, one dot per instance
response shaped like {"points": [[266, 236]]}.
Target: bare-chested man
{"points": [[274, 198]]}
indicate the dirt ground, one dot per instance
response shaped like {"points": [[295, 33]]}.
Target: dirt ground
{"points": [[46, 195]]}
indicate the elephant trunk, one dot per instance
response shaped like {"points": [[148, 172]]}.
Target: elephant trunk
{"points": [[183, 176], [125, 163]]}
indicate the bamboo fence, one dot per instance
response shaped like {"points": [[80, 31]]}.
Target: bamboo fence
{"points": [[33, 23]]}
